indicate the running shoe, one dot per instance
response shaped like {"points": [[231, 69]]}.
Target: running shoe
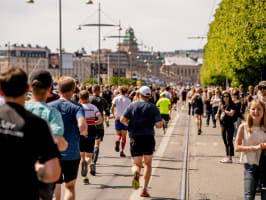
{"points": [[122, 154], [226, 160], [84, 168], [107, 124], [144, 193], [199, 131], [86, 180], [135, 181], [117, 144], [93, 169]]}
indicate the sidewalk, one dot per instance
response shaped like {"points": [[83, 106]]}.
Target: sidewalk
{"points": [[208, 178]]}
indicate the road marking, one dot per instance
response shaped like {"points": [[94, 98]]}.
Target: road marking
{"points": [[158, 153]]}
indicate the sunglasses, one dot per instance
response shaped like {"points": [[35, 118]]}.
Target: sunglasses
{"points": [[226, 96], [262, 88]]}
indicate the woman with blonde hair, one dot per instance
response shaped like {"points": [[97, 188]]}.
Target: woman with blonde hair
{"points": [[250, 141]]}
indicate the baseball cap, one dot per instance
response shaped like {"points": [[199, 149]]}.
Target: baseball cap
{"points": [[262, 84], [145, 91], [162, 94], [41, 79]]}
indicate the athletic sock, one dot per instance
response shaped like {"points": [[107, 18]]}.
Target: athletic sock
{"points": [[95, 155], [123, 144], [118, 138]]}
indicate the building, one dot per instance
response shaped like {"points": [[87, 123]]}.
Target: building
{"points": [[182, 70], [178, 67]]}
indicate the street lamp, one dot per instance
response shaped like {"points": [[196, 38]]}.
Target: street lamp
{"points": [[129, 54], [89, 2], [119, 28], [60, 35], [99, 25]]}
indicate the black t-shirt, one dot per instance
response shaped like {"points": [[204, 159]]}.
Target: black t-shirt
{"points": [[102, 105], [184, 95], [107, 95], [24, 139], [198, 102], [142, 117], [208, 105], [228, 120]]}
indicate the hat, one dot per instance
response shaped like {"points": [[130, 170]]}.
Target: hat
{"points": [[162, 94], [41, 79], [145, 91], [262, 84]]}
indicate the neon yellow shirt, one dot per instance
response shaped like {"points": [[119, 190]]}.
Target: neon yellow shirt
{"points": [[164, 103]]}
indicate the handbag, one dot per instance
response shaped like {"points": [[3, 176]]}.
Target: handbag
{"points": [[222, 116]]}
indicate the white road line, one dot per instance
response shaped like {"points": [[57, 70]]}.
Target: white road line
{"points": [[158, 153]]}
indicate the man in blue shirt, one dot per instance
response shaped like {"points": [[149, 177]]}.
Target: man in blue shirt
{"points": [[75, 124], [140, 117]]}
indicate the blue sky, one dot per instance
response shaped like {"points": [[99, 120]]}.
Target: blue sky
{"points": [[164, 25]]}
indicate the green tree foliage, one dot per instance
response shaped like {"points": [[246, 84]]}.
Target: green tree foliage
{"points": [[90, 81], [236, 47], [123, 81]]}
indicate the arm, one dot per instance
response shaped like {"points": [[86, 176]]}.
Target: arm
{"points": [[100, 119], [159, 124], [124, 121], [48, 172], [61, 142], [230, 113], [82, 125], [241, 148], [113, 109]]}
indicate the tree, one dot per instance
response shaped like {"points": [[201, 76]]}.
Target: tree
{"points": [[90, 81], [235, 50]]}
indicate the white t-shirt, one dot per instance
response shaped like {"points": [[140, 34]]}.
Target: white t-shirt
{"points": [[2, 100], [250, 139], [216, 101], [121, 102], [91, 112]]}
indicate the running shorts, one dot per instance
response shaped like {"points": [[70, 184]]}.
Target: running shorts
{"points": [[142, 145], [119, 126], [99, 134], [86, 144], [69, 170], [165, 117]]}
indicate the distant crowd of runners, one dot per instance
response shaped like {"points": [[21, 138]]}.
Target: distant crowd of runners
{"points": [[51, 136]]}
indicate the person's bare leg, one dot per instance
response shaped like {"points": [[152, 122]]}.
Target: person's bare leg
{"points": [[70, 190], [136, 164], [147, 170], [57, 192]]}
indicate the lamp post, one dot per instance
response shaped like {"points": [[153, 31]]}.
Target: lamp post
{"points": [[119, 36], [60, 36], [99, 25], [129, 54]]}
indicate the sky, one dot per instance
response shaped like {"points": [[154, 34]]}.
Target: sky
{"points": [[163, 25]]}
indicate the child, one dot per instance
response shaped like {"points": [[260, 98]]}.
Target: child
{"points": [[253, 135], [93, 117]]}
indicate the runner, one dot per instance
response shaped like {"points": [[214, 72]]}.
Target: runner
{"points": [[102, 105], [119, 104], [140, 117], [164, 106], [184, 96], [93, 117], [41, 83], [73, 116], [27, 149], [198, 101], [107, 95]]}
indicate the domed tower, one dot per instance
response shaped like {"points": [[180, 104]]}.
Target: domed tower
{"points": [[129, 43]]}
